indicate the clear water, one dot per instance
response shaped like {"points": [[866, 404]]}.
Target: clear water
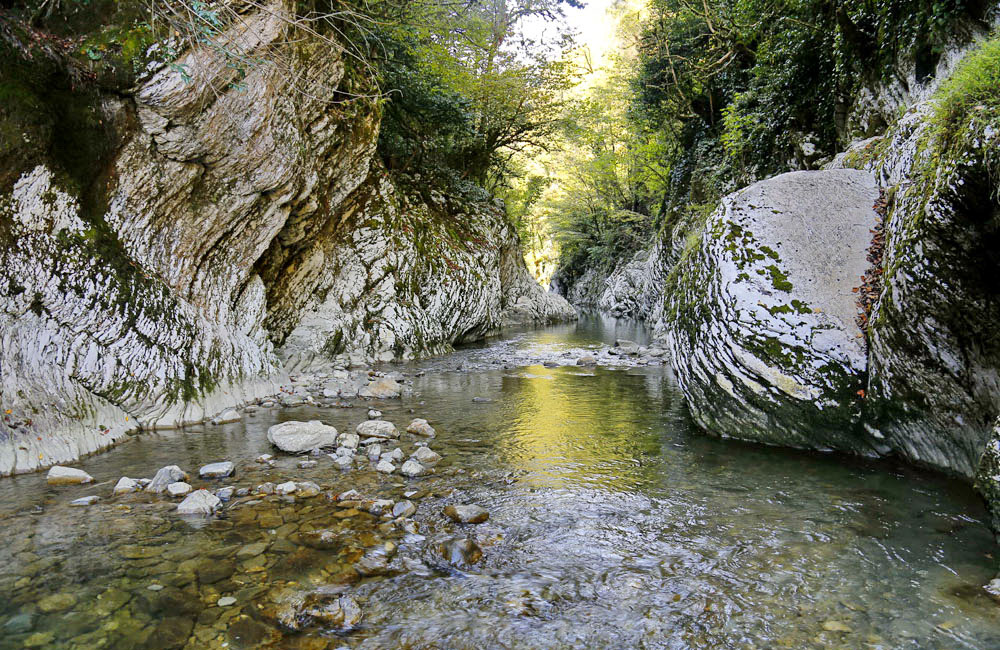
{"points": [[612, 525]]}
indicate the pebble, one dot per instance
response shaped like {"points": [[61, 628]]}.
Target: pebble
{"points": [[226, 601], [263, 458], [373, 414], [85, 501], [426, 456], [306, 464], [377, 429], [385, 467], [164, 477], [155, 587]]}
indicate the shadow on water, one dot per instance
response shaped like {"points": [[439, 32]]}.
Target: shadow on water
{"points": [[612, 525]]}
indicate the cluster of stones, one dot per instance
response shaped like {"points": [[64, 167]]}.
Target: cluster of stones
{"points": [[374, 443]]}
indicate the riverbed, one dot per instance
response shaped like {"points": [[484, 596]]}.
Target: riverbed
{"points": [[612, 524]]}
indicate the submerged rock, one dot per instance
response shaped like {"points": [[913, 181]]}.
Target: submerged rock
{"points": [[227, 416], [59, 475], [762, 323], [199, 502], [85, 501], [461, 552], [467, 514], [300, 437]]}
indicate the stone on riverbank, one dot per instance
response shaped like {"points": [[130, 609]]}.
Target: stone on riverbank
{"points": [[199, 502], [59, 475], [299, 437]]}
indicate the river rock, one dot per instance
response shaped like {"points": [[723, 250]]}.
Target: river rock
{"points": [[179, 489], [20, 624], [164, 477], [59, 475], [762, 323], [461, 552], [382, 429], [467, 514], [306, 489], [381, 388], [587, 360], [57, 602], [348, 440], [344, 461], [288, 487], [217, 470], [300, 437], [385, 467], [227, 416], [412, 468], [199, 502], [420, 427], [404, 509], [374, 414], [126, 485], [85, 501], [426, 456]]}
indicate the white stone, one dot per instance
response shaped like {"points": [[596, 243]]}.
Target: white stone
{"points": [[426, 456], [385, 467], [199, 502], [179, 489], [126, 485], [59, 475], [85, 501], [412, 468], [217, 470], [420, 427], [287, 487], [378, 429], [298, 437], [164, 477]]}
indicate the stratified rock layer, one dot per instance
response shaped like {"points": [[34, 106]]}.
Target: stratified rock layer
{"points": [[762, 321], [149, 287]]}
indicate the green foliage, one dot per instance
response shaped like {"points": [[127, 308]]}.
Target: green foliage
{"points": [[972, 91], [466, 89]]}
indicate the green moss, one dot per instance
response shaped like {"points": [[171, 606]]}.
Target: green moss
{"points": [[779, 279]]}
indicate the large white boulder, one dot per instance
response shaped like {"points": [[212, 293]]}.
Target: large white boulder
{"points": [[297, 437]]}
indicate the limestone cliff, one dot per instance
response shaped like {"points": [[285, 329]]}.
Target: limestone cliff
{"points": [[160, 241]]}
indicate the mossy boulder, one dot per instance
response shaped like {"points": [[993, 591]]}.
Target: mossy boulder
{"points": [[762, 316]]}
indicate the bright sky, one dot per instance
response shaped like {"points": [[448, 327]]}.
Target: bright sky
{"points": [[596, 29]]}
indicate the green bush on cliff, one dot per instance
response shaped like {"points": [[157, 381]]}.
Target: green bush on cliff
{"points": [[973, 91]]}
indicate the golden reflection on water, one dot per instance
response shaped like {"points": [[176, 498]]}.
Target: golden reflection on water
{"points": [[582, 427]]}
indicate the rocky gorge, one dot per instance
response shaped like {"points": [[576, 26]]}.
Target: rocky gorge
{"points": [[847, 307], [170, 249]]}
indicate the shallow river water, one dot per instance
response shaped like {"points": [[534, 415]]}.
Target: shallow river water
{"points": [[612, 524]]}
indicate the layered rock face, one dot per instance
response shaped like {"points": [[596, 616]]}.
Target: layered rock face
{"points": [[761, 322], [152, 288]]}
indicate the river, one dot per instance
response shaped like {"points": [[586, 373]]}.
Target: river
{"points": [[612, 524]]}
